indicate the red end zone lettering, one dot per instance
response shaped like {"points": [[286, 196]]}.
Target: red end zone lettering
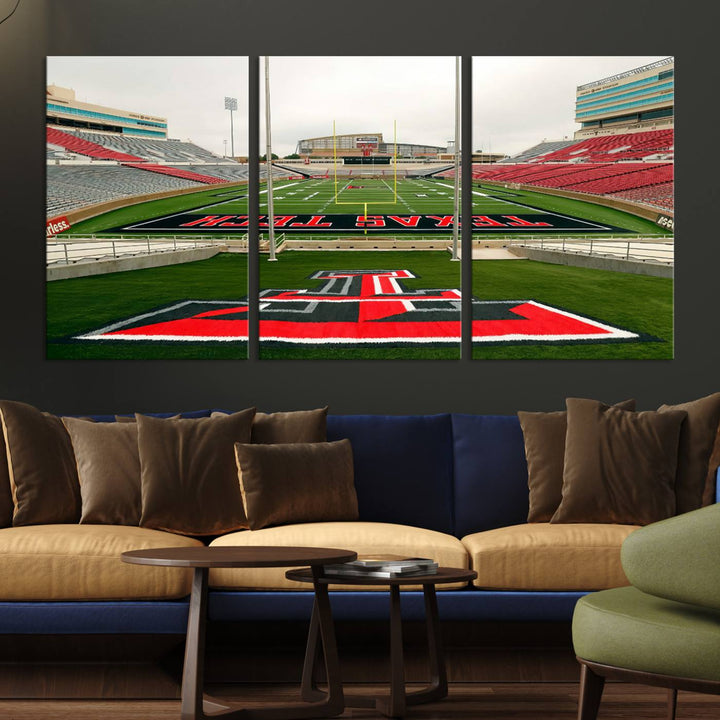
{"points": [[208, 221], [370, 221], [279, 221], [519, 222], [314, 222], [485, 221], [443, 220], [411, 221]]}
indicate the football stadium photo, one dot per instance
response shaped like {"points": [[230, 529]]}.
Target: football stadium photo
{"points": [[359, 183]]}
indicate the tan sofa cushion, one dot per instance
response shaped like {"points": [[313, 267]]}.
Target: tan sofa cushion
{"points": [[544, 556], [82, 562], [365, 538]]}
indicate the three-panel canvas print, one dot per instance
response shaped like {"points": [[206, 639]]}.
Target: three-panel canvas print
{"points": [[351, 223]]}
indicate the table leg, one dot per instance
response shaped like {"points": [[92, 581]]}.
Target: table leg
{"points": [[309, 688], [193, 670], [195, 707], [398, 700], [438, 687]]}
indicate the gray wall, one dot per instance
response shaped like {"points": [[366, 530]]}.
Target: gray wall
{"points": [[240, 27]]}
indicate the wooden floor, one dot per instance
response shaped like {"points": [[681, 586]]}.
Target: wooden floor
{"points": [[477, 701]]}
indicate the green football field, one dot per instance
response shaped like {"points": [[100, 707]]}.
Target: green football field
{"points": [[355, 196], [642, 304], [83, 313]]}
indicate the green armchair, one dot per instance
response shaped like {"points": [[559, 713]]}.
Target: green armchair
{"points": [[664, 629]]}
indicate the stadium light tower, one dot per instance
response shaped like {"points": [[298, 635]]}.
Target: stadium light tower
{"points": [[456, 218], [231, 104]]}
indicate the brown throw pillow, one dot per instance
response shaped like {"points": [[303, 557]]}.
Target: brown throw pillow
{"points": [[619, 466], [6, 501], [188, 474], [710, 492], [697, 439], [296, 426], [297, 483], [544, 435], [108, 466], [41, 466]]}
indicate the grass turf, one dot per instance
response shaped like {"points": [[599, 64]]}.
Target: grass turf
{"points": [[80, 305], [638, 303], [321, 196]]}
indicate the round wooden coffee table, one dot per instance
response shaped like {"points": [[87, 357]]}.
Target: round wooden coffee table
{"points": [[193, 705], [395, 704]]}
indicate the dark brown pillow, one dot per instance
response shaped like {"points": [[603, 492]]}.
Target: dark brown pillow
{"points": [[297, 482], [108, 466], [6, 501], [296, 426], [41, 466], [697, 439], [619, 466], [188, 474], [710, 492], [544, 435]]}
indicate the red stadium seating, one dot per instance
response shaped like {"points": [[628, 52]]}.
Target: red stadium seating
{"points": [[84, 147], [614, 148], [177, 172]]}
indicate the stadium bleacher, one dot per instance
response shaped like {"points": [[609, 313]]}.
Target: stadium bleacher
{"points": [[615, 148], [159, 151], [633, 166], [661, 196], [71, 187], [543, 148]]}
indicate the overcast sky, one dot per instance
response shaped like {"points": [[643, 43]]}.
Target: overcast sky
{"points": [[517, 101]]}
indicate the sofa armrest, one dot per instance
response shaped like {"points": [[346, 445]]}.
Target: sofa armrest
{"points": [[677, 558]]}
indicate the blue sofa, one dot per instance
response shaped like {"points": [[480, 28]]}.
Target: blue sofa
{"points": [[455, 474]]}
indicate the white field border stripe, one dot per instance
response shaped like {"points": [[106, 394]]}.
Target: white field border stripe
{"points": [[129, 321], [612, 332], [540, 210], [169, 338], [191, 210], [384, 298], [358, 341]]}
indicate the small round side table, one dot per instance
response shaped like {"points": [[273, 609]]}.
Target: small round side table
{"points": [[395, 704], [193, 705]]}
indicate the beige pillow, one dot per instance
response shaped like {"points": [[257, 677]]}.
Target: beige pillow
{"points": [[544, 436], [619, 466], [296, 426], [108, 466], [297, 483], [41, 466], [188, 474]]}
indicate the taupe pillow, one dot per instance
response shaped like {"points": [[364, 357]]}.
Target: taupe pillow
{"points": [[6, 501], [544, 436], [619, 466], [189, 480], [297, 482], [41, 466], [296, 426], [108, 466], [697, 439]]}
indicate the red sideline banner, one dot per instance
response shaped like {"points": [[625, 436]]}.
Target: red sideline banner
{"points": [[56, 225]]}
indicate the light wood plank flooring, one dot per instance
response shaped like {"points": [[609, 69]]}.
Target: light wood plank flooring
{"points": [[476, 701]]}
